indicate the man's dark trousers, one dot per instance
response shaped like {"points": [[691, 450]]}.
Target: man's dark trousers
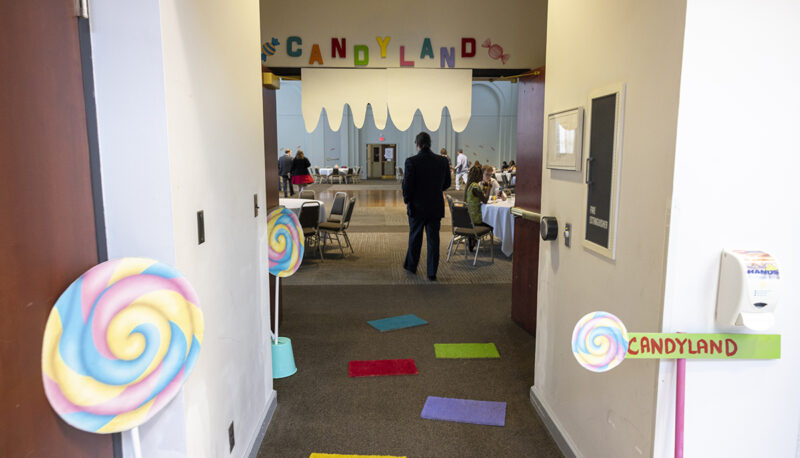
{"points": [[287, 185], [431, 228]]}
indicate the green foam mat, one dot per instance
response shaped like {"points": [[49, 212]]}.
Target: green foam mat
{"points": [[466, 350]]}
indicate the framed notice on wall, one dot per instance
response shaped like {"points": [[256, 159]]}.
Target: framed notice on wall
{"points": [[601, 174], [565, 139]]}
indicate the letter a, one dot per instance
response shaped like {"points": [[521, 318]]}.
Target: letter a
{"points": [[316, 55], [427, 49]]}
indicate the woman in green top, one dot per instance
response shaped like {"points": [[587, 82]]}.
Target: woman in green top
{"points": [[477, 193]]}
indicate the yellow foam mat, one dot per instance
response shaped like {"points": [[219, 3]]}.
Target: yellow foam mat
{"points": [[332, 455]]}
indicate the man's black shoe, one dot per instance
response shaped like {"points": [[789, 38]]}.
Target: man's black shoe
{"points": [[432, 278]]}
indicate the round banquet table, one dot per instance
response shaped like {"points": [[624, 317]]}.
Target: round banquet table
{"points": [[498, 215], [295, 204], [329, 170]]}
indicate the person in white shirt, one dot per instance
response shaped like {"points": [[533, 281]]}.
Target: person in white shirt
{"points": [[462, 168], [494, 186]]}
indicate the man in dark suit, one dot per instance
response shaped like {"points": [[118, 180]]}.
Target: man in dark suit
{"points": [[284, 170], [427, 176]]}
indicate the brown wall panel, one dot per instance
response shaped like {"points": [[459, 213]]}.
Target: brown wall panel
{"points": [[530, 131], [271, 170], [47, 232]]}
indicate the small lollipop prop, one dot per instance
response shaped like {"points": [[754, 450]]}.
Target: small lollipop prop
{"points": [[600, 342], [118, 345], [286, 247]]}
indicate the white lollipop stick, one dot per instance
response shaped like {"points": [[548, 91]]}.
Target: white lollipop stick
{"points": [[137, 444], [277, 286]]}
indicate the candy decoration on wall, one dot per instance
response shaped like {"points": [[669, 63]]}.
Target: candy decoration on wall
{"points": [[286, 246], [119, 343], [600, 342], [269, 48], [495, 51], [286, 242]]}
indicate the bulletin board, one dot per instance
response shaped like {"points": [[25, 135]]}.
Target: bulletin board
{"points": [[602, 177]]}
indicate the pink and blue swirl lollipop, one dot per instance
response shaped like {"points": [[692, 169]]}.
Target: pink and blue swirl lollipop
{"points": [[119, 343], [599, 341], [286, 242]]}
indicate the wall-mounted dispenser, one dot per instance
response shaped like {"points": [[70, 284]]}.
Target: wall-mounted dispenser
{"points": [[749, 290]]}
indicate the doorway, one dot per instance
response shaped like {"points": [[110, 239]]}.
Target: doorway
{"points": [[382, 161]]}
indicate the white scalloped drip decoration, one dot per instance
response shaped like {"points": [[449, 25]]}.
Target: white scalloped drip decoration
{"points": [[399, 91]]}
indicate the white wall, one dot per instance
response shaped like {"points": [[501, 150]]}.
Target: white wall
{"points": [[518, 26], [735, 187], [491, 133], [591, 45], [134, 161], [180, 127], [216, 143]]}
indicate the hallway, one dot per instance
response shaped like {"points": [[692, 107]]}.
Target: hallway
{"points": [[327, 305]]}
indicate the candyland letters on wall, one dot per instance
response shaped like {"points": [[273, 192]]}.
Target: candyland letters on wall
{"points": [[338, 53]]}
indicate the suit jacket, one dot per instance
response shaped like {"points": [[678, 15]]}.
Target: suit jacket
{"points": [[285, 165], [427, 175]]}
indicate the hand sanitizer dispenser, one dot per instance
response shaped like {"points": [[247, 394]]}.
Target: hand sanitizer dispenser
{"points": [[748, 293]]}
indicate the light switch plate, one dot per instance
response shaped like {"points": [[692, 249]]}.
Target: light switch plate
{"points": [[201, 228]]}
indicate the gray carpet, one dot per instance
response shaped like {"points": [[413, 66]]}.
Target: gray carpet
{"points": [[321, 409], [379, 256]]}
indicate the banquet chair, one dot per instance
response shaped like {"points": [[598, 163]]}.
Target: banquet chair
{"points": [[349, 178], [338, 207], [337, 228], [400, 173], [317, 176], [308, 194], [309, 221], [463, 226], [357, 175], [335, 175], [507, 188], [455, 239]]}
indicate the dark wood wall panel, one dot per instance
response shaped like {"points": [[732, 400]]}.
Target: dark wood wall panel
{"points": [[271, 170], [47, 228], [530, 131]]}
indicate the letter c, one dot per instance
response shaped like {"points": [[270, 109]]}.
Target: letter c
{"points": [[630, 346], [290, 46]]}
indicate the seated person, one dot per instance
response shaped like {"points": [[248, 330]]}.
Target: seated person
{"points": [[505, 166], [491, 183], [477, 193]]}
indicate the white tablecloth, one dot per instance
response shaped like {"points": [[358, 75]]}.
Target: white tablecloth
{"points": [[498, 215], [295, 204], [328, 170]]}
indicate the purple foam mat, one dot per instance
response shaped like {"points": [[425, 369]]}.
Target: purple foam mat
{"points": [[465, 411]]}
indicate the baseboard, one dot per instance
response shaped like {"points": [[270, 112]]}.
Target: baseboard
{"points": [[565, 444], [262, 431]]}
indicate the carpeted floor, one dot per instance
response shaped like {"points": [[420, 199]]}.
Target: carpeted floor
{"points": [[321, 409], [327, 306]]}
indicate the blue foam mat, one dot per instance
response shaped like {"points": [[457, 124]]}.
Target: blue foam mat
{"points": [[397, 322]]}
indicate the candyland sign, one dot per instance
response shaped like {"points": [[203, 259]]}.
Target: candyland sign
{"points": [[424, 34]]}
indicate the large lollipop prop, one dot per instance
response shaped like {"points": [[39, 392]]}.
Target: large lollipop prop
{"points": [[118, 345], [286, 247]]}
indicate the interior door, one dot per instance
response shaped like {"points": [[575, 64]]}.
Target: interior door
{"points": [[47, 231], [388, 161], [530, 133]]}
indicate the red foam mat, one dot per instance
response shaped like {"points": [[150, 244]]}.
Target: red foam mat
{"points": [[382, 367]]}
